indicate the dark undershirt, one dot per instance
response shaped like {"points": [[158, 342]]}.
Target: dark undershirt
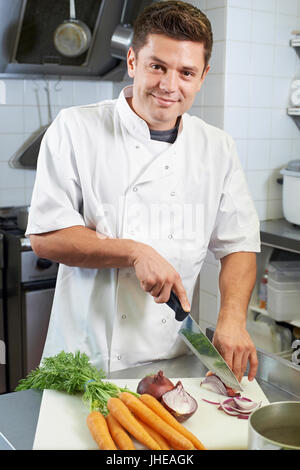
{"points": [[168, 136]]}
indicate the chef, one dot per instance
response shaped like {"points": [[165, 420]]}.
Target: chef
{"points": [[129, 196]]}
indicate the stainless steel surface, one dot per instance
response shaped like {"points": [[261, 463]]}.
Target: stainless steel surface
{"points": [[37, 309], [34, 268], [2, 332], [201, 346], [280, 234], [275, 427], [40, 57]]}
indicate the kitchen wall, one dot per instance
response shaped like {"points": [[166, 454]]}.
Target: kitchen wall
{"points": [[23, 110], [247, 94]]}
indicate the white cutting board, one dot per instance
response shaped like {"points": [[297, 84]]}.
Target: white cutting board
{"points": [[62, 419]]}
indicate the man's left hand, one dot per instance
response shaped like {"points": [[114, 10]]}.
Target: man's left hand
{"points": [[235, 345]]}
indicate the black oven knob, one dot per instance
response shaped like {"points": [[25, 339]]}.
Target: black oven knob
{"points": [[43, 263]]}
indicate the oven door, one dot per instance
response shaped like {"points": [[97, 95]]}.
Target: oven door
{"points": [[36, 310]]}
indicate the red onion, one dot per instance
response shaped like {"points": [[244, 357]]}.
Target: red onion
{"points": [[215, 384], [241, 407], [179, 403], [155, 385]]}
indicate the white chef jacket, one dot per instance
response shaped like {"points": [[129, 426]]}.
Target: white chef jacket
{"points": [[99, 168]]}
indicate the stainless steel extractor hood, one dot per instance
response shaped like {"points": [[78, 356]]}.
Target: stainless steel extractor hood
{"points": [[27, 38]]}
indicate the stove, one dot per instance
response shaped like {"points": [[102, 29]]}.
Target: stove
{"points": [[28, 284]]}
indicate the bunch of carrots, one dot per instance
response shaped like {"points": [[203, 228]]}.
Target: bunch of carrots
{"points": [[144, 418]]}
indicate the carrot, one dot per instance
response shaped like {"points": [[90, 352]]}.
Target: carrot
{"points": [[155, 422], [119, 434], [99, 430], [161, 411], [124, 416], [161, 441]]}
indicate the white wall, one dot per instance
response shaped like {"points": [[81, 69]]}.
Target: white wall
{"points": [[247, 94], [23, 110]]}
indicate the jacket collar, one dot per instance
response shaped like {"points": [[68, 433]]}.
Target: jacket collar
{"points": [[135, 125]]}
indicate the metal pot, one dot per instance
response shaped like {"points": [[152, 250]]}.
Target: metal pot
{"points": [[275, 427], [291, 192], [72, 38]]}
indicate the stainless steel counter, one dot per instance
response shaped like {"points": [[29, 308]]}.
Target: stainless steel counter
{"points": [[19, 411]]}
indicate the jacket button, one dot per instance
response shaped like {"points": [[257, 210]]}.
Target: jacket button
{"points": [[119, 358], [170, 236], [167, 167], [172, 193], [163, 320], [123, 316], [134, 189]]}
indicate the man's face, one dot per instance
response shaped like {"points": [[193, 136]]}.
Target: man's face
{"points": [[167, 75]]}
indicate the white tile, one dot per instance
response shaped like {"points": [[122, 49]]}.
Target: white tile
{"points": [[295, 149], [265, 5], [215, 4], [217, 61], [289, 7], [238, 57], [260, 91], [217, 18], [283, 126], [259, 123], [263, 27], [29, 178], [274, 189], [198, 111], [262, 59], [285, 24], [199, 98], [261, 209], [214, 90], [13, 90], [201, 4], [281, 153], [204, 324], [258, 184], [10, 177], [285, 61], [9, 144], [237, 90], [15, 197], [34, 118], [239, 24], [85, 92], [208, 307], [281, 92], [258, 154], [209, 278], [274, 209], [104, 90], [61, 93], [236, 122], [240, 3], [242, 150], [28, 196], [214, 115], [11, 120]]}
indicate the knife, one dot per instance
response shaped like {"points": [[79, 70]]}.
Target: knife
{"points": [[201, 346]]}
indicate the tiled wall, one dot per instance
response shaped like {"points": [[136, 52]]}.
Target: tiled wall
{"points": [[247, 94], [23, 110]]}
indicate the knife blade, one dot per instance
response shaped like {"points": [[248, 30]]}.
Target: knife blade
{"points": [[201, 346]]}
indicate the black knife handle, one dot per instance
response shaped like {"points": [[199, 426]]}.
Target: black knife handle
{"points": [[175, 305]]}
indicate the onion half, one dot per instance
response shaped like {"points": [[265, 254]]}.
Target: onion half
{"points": [[179, 403]]}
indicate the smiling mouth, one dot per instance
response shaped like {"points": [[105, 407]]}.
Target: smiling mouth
{"points": [[163, 101]]}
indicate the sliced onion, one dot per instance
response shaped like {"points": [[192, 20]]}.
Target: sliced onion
{"points": [[179, 403], [211, 402], [231, 402], [245, 404], [215, 385]]}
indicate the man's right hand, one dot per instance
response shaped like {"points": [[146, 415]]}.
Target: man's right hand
{"points": [[157, 276]]}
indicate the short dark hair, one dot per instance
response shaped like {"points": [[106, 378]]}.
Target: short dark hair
{"points": [[176, 19]]}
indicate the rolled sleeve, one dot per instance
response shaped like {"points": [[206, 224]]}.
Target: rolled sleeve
{"points": [[237, 225], [57, 198]]}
